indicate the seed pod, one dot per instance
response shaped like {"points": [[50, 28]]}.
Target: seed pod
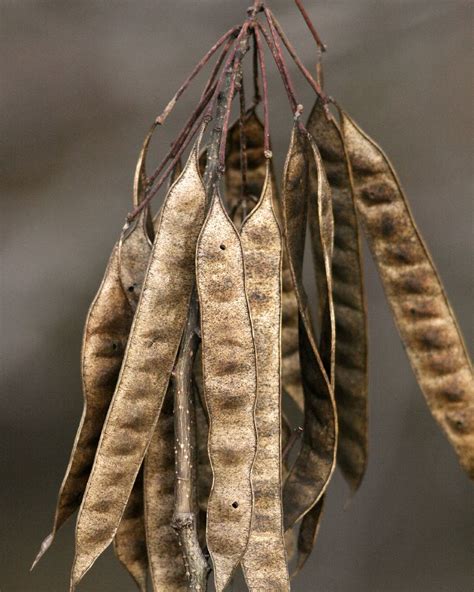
{"points": [[229, 377], [148, 362], [256, 171], [241, 200], [105, 336], [313, 468], [349, 302], [264, 561], [307, 535], [130, 539], [167, 569], [421, 310], [134, 254], [322, 240]]}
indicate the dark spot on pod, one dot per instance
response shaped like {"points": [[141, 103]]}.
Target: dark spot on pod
{"points": [[458, 422], [222, 247], [432, 338], [115, 346], [387, 227], [131, 288], [378, 193], [235, 505], [453, 393]]}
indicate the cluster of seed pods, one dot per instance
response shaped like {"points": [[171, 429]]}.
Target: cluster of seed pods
{"points": [[201, 329]]}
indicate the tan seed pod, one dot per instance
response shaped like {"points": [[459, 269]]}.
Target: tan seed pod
{"points": [[166, 562], [349, 302], [130, 539], [322, 239], [135, 249], [256, 166], [229, 378], [148, 362], [314, 465], [264, 561], [105, 336], [421, 310]]}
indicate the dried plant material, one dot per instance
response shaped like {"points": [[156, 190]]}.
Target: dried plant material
{"points": [[307, 535], [424, 318], [130, 539], [241, 200], [313, 468], [105, 338], [229, 377], [148, 362], [264, 562], [321, 223], [168, 573], [349, 302]]}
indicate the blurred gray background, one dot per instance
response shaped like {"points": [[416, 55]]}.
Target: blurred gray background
{"points": [[80, 83]]}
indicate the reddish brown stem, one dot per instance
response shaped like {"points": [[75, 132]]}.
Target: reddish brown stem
{"points": [[263, 70], [278, 59], [274, 24], [199, 66], [311, 27], [243, 138]]}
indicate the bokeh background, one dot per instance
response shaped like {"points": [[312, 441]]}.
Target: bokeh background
{"points": [[80, 83]]}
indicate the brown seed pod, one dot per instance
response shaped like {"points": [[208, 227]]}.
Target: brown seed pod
{"points": [[322, 239], [421, 310], [256, 171], [130, 539], [264, 561], [105, 336], [313, 468], [148, 362], [235, 194], [229, 377], [307, 535], [167, 568], [349, 301]]}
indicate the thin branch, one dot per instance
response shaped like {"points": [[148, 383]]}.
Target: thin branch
{"points": [[184, 520], [322, 47], [185, 513], [199, 66], [272, 22]]}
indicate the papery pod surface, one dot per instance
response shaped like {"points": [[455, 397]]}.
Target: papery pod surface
{"points": [[264, 562], [229, 378], [421, 310], [351, 380], [314, 465], [105, 337], [148, 362], [167, 569]]}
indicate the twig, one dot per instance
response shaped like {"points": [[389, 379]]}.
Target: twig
{"points": [[184, 520], [185, 512], [272, 22], [311, 27], [199, 66]]}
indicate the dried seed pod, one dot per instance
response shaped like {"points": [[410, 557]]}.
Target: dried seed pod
{"points": [[349, 301], [148, 362], [421, 310], [235, 194], [130, 539], [322, 239], [105, 336], [229, 377], [264, 561], [313, 468], [256, 171], [307, 535], [167, 568]]}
